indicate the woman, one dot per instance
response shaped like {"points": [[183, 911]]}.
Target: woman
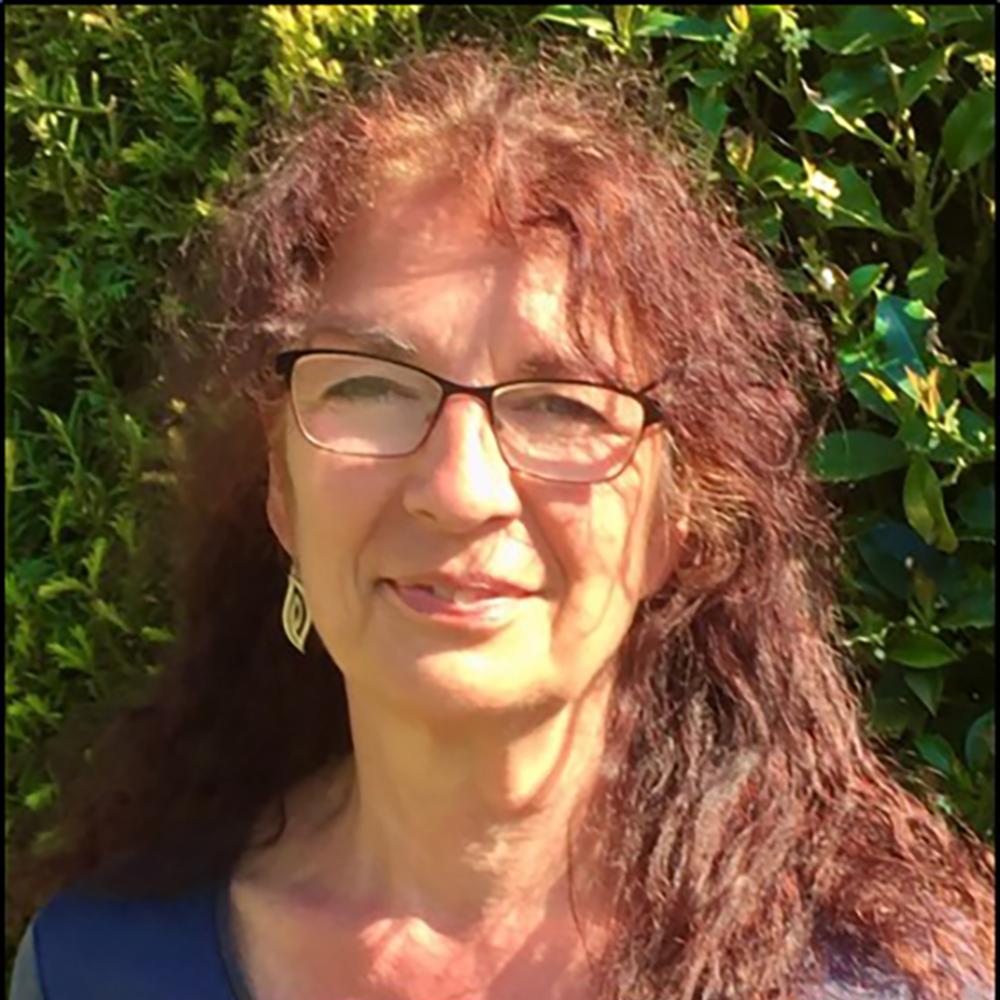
{"points": [[507, 430]]}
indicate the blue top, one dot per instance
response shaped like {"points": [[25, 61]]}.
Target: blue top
{"points": [[82, 946]]}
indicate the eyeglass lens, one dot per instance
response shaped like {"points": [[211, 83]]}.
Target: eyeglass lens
{"points": [[367, 406]]}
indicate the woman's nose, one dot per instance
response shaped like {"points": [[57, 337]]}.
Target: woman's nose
{"points": [[458, 476]]}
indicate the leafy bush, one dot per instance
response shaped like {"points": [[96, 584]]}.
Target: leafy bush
{"points": [[856, 141]]}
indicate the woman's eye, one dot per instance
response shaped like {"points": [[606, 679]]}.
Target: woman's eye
{"points": [[367, 387], [563, 406]]}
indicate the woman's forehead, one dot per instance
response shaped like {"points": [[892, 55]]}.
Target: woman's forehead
{"points": [[436, 232], [531, 354], [434, 274]]}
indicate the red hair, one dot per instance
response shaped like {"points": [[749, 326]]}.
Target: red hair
{"points": [[747, 832]]}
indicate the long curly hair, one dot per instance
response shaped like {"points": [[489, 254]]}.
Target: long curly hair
{"points": [[743, 821]]}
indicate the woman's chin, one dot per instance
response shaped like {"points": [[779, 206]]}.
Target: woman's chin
{"points": [[463, 682]]}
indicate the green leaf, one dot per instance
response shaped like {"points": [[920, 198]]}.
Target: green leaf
{"points": [[190, 86], [902, 326], [660, 23], [919, 78], [847, 202], [770, 168], [60, 585], [863, 280], [710, 77], [944, 15], [857, 204], [924, 592], [95, 560], [764, 221], [40, 797], [577, 15], [924, 505], [68, 658], [890, 547], [976, 608], [980, 742], [984, 372], [57, 427], [969, 132], [884, 390], [893, 707], [976, 510], [937, 751], [851, 455], [863, 28], [40, 707], [927, 685], [926, 277], [978, 431], [851, 90], [146, 153], [10, 463], [855, 365], [153, 634], [708, 110], [922, 650], [110, 613]]}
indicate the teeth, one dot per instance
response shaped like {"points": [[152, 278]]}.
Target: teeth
{"points": [[471, 596], [467, 595]]}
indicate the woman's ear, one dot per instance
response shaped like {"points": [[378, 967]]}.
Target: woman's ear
{"points": [[669, 525], [667, 542], [280, 501]]}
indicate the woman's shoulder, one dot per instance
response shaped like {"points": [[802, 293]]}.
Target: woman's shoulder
{"points": [[852, 972], [24, 981], [89, 944]]}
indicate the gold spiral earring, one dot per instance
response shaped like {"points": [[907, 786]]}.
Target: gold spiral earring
{"points": [[294, 614]]}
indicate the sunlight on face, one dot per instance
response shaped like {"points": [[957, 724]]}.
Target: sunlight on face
{"points": [[424, 273]]}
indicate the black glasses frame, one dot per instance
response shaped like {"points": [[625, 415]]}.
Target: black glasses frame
{"points": [[652, 412]]}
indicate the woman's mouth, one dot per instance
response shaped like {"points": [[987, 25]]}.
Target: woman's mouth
{"points": [[468, 606]]}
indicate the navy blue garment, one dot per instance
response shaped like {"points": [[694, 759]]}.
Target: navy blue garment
{"points": [[98, 947], [84, 946]]}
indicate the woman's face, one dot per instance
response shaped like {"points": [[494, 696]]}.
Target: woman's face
{"points": [[361, 529]]}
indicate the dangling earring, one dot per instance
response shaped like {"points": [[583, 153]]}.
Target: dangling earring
{"points": [[294, 614]]}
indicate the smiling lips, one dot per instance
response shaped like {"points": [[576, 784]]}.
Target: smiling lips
{"points": [[469, 599], [464, 589]]}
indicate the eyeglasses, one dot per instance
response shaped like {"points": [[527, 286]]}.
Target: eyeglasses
{"points": [[562, 430]]}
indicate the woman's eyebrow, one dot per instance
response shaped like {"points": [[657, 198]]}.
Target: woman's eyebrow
{"points": [[365, 337], [544, 363], [553, 364]]}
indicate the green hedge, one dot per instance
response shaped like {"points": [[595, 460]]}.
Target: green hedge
{"points": [[856, 142]]}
